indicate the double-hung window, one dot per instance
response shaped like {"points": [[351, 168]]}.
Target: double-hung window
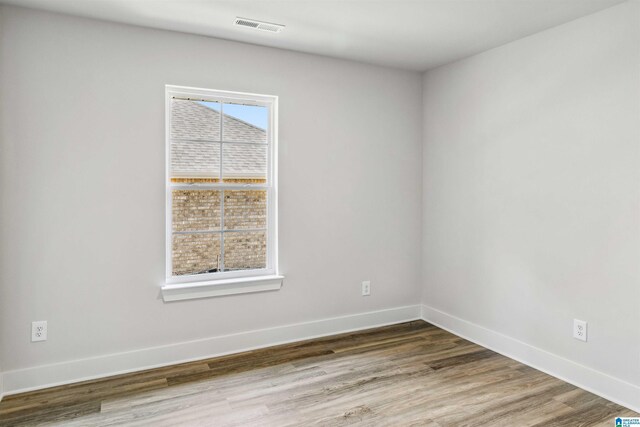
{"points": [[220, 193]]}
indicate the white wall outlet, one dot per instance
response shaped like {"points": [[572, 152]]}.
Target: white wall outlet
{"points": [[39, 331], [366, 288], [580, 330]]}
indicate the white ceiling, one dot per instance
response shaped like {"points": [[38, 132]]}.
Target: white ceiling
{"points": [[411, 34]]}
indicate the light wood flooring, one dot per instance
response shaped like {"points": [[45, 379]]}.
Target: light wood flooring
{"points": [[410, 374]]}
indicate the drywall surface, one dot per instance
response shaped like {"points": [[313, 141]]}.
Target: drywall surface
{"points": [[82, 180], [531, 200]]}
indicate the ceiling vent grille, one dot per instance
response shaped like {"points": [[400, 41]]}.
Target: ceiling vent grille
{"points": [[259, 25]]}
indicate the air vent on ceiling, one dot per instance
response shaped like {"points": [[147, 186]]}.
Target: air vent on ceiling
{"points": [[259, 25]]}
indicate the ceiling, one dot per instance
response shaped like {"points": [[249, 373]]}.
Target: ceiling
{"points": [[410, 34]]}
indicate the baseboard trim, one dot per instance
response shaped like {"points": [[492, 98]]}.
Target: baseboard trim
{"points": [[596, 382], [39, 377]]}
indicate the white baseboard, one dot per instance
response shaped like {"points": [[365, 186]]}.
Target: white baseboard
{"points": [[611, 388], [38, 377]]}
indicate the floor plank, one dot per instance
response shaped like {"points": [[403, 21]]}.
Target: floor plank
{"points": [[410, 374]]}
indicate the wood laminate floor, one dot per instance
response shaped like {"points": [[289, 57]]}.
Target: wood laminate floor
{"points": [[411, 374]]}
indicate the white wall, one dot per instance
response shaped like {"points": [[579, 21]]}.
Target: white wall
{"points": [[82, 185], [531, 190], [529, 194]]}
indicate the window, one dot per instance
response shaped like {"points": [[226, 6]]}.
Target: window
{"points": [[221, 187]]}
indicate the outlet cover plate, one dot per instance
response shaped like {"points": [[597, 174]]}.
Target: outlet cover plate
{"points": [[580, 330], [39, 331], [366, 288]]}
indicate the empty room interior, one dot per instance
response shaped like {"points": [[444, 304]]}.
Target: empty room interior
{"points": [[320, 212]]}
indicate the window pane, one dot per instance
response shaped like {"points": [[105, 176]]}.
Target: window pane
{"points": [[195, 253], [244, 163], [195, 120], [245, 250], [245, 209], [196, 210], [245, 123], [195, 161]]}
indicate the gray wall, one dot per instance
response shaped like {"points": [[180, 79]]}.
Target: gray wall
{"points": [[82, 184], [530, 201], [531, 204]]}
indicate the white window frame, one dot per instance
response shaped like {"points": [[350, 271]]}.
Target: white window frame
{"points": [[226, 282]]}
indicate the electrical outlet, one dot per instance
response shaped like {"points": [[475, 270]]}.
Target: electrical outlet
{"points": [[366, 288], [580, 330], [39, 331]]}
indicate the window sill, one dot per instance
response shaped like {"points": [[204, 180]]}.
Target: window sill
{"points": [[217, 288]]}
